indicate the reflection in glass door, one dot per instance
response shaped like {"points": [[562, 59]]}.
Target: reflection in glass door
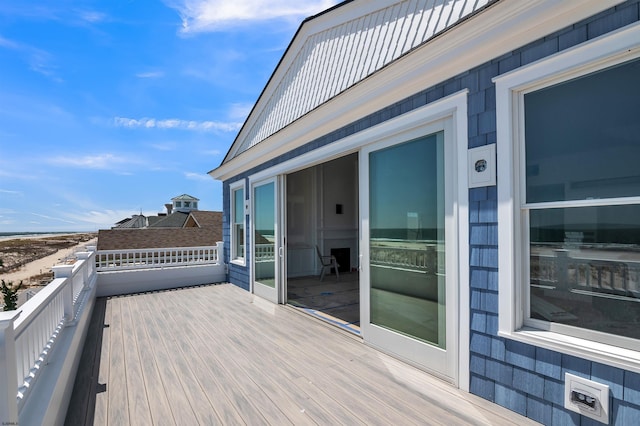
{"points": [[406, 239], [265, 240], [406, 217]]}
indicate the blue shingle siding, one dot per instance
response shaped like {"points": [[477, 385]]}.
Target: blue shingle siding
{"points": [[521, 377], [537, 387], [482, 387], [560, 416], [538, 410], [511, 399], [632, 387], [553, 390], [237, 274], [548, 363]]}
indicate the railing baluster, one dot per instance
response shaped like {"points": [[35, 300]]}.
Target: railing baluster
{"points": [[160, 258]]}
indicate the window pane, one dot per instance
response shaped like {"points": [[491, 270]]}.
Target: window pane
{"points": [[407, 239], [238, 224], [238, 206], [585, 267], [583, 137], [239, 240]]}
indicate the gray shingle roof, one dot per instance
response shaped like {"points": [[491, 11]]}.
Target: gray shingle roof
{"points": [[122, 239], [174, 220]]}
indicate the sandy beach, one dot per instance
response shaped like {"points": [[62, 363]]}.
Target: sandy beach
{"points": [[36, 255]]}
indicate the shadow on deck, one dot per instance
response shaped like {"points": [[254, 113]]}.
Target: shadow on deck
{"points": [[214, 355]]}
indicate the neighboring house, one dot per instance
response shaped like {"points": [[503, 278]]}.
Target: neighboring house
{"points": [[183, 225], [479, 161], [178, 212]]}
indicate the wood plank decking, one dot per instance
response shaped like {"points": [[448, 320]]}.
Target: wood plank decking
{"points": [[214, 355]]}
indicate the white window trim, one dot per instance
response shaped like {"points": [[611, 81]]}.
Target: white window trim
{"points": [[605, 51], [232, 189]]}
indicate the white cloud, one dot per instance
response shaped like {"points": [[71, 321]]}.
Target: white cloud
{"points": [[106, 218], [240, 111], [38, 60], [164, 146], [91, 16], [7, 191], [58, 219], [100, 161], [150, 74], [212, 15], [197, 176], [8, 44], [149, 123]]}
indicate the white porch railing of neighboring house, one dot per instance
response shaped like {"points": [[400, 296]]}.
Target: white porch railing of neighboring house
{"points": [[107, 260], [597, 277], [36, 381]]}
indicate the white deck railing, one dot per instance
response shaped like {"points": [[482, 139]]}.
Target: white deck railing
{"points": [[29, 334], [36, 381], [429, 259], [108, 260], [265, 252]]}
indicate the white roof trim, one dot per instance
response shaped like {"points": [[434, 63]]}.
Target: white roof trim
{"points": [[340, 48], [507, 25]]}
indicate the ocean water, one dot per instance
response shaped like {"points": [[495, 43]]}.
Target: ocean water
{"points": [[17, 235]]}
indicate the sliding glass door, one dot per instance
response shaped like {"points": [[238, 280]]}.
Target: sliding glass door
{"points": [[405, 240]]}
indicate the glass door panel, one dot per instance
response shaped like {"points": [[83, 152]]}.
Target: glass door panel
{"points": [[409, 256], [265, 240], [406, 239]]}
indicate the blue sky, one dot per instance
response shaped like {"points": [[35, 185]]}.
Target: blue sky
{"points": [[112, 107]]}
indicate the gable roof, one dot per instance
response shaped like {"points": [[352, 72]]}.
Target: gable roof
{"points": [[204, 219], [339, 48], [185, 197]]}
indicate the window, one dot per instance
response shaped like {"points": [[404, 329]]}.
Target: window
{"points": [[569, 218], [187, 204], [237, 215]]}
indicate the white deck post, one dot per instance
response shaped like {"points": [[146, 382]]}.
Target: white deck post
{"points": [[8, 369], [86, 268], [66, 271], [219, 251]]}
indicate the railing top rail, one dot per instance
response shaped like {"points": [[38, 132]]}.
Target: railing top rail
{"points": [[32, 307], [158, 249], [594, 260]]}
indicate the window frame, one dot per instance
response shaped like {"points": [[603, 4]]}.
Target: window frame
{"points": [[233, 189], [513, 245]]}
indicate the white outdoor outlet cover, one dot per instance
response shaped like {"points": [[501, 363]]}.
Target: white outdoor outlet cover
{"points": [[482, 166], [586, 397]]}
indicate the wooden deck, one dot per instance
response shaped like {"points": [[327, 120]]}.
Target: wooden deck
{"points": [[214, 355]]}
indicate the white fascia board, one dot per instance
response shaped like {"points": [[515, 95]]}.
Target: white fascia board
{"points": [[307, 30], [501, 28]]}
